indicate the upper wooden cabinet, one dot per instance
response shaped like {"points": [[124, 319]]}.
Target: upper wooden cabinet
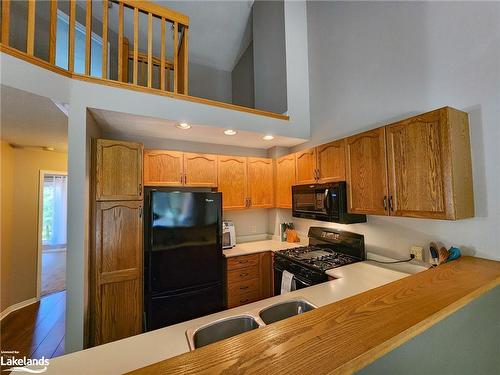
{"points": [[232, 181], [118, 167], [305, 164], [200, 170], [331, 161], [173, 168], [367, 173], [163, 168], [285, 179], [426, 171], [429, 164], [260, 182]]}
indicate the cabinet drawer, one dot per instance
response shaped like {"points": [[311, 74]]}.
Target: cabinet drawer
{"points": [[242, 274], [242, 261], [243, 287], [234, 301]]}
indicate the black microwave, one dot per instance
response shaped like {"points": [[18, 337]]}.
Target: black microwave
{"points": [[324, 202]]}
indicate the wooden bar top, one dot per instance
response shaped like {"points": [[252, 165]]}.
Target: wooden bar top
{"points": [[346, 335]]}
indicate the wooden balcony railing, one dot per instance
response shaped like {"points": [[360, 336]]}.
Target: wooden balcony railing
{"points": [[167, 71]]}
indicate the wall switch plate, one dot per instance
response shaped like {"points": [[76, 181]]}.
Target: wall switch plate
{"points": [[418, 251]]}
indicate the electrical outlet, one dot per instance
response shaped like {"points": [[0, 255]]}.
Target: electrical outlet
{"points": [[253, 229], [418, 251]]}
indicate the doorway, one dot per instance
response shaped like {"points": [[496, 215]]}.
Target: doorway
{"points": [[52, 224]]}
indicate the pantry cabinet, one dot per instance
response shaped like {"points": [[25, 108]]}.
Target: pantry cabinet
{"points": [[367, 173], [285, 179], [260, 182], [232, 182]]}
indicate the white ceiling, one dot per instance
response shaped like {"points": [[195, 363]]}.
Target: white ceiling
{"points": [[128, 125], [32, 120]]}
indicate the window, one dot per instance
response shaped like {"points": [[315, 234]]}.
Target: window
{"points": [[54, 211], [62, 39]]}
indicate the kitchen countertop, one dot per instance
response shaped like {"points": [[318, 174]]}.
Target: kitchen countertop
{"points": [[259, 246], [344, 336], [151, 347]]}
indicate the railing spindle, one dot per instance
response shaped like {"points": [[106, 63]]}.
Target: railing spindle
{"points": [[53, 31], [105, 17], [184, 62], [125, 60], [168, 79], [71, 36], [88, 36], [30, 34], [150, 50], [121, 76], [136, 43], [176, 59], [162, 54], [5, 21]]}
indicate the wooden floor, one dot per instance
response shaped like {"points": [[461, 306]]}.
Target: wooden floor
{"points": [[36, 330], [53, 272]]}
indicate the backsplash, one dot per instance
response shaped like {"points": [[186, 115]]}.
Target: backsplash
{"points": [[250, 225]]}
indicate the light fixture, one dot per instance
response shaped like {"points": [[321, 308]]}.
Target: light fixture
{"points": [[230, 132], [268, 137], [183, 126]]}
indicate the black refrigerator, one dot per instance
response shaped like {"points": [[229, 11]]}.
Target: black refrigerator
{"points": [[183, 264]]}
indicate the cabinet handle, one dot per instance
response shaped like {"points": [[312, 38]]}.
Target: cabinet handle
{"points": [[243, 300], [385, 202], [243, 287], [182, 179], [185, 178], [249, 202], [243, 261], [243, 274], [140, 188], [390, 203], [140, 212]]}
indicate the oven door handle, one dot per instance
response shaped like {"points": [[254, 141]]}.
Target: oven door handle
{"points": [[300, 280], [326, 200]]}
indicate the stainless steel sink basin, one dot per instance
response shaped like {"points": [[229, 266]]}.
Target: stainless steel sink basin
{"points": [[285, 310], [220, 330]]}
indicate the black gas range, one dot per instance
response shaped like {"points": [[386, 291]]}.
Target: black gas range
{"points": [[328, 248]]}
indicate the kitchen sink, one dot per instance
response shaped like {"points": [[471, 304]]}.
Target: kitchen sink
{"points": [[220, 330], [285, 310]]}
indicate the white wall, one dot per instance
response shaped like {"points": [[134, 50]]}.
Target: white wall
{"points": [[210, 83], [372, 62]]}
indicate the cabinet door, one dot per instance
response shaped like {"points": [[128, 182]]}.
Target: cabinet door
{"points": [[232, 181], [331, 161], [260, 182], [367, 173], [116, 302], [285, 179], [416, 164], [163, 168], [118, 170], [200, 170], [266, 274], [306, 166]]}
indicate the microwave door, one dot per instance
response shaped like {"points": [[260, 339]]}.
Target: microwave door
{"points": [[332, 202]]}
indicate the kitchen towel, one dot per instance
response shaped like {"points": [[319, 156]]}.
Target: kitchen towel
{"points": [[287, 282]]}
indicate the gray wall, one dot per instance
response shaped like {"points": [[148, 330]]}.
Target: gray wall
{"points": [[269, 55], [242, 79], [371, 63], [467, 342], [210, 83]]}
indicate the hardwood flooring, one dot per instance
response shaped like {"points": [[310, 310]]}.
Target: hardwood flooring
{"points": [[36, 330], [53, 272]]}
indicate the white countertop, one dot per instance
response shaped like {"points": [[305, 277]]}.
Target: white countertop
{"points": [[151, 347], [258, 247]]}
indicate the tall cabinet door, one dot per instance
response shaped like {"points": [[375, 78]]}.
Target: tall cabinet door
{"points": [[367, 173], [116, 306], [118, 170], [163, 168], [331, 161], [306, 166], [416, 162], [200, 170], [260, 182], [285, 179], [232, 181]]}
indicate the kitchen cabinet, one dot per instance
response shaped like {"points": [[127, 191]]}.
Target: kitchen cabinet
{"points": [[163, 168], [285, 179], [429, 166], [116, 241], [367, 173], [118, 170], [232, 181], [200, 170], [305, 164], [260, 182], [249, 278], [330, 162]]}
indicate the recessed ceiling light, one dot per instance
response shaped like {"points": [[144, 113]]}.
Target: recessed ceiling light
{"points": [[183, 126], [268, 137], [230, 132]]}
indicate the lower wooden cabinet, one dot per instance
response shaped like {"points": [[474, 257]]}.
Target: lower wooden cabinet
{"points": [[116, 272], [249, 278]]}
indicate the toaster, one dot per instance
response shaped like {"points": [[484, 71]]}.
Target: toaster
{"points": [[228, 234]]}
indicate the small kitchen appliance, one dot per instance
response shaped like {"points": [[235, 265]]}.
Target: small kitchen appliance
{"points": [[228, 234], [328, 248]]}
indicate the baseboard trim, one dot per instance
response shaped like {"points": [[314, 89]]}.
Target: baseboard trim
{"points": [[17, 306]]}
